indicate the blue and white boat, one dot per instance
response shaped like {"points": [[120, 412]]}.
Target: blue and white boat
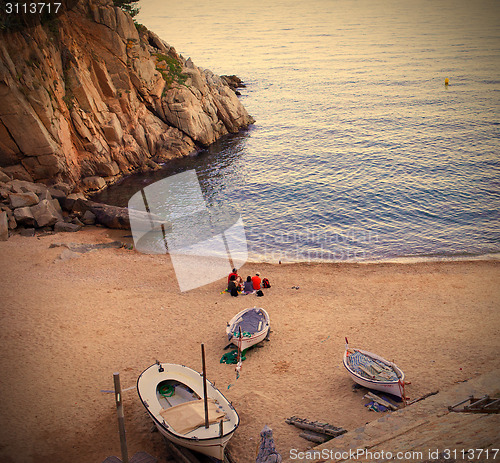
{"points": [[374, 372]]}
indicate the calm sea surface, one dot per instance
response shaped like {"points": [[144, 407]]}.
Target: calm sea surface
{"points": [[359, 151]]}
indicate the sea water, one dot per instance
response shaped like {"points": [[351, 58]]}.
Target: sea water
{"points": [[359, 150]]}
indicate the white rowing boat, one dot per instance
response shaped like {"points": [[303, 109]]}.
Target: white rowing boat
{"points": [[374, 372], [173, 397], [254, 324]]}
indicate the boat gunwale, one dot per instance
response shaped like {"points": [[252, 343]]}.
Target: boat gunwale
{"points": [[374, 381], [233, 320], [180, 436]]}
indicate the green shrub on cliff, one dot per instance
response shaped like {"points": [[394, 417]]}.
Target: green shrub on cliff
{"points": [[129, 6], [170, 69]]}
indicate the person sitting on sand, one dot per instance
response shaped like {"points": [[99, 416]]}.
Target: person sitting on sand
{"points": [[232, 286], [256, 281], [248, 286], [237, 278]]}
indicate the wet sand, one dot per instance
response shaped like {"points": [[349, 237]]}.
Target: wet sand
{"points": [[68, 324]]}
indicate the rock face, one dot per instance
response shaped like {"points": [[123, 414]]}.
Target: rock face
{"points": [[86, 99]]}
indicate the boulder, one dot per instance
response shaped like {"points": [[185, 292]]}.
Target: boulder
{"points": [[22, 186], [57, 205], [233, 81], [94, 183], [111, 216], [23, 199], [18, 172], [69, 202], [77, 221], [45, 213], [4, 193], [27, 232], [24, 216], [45, 195], [4, 177], [12, 221], [4, 226], [108, 169], [57, 194], [64, 187], [88, 218], [66, 227]]}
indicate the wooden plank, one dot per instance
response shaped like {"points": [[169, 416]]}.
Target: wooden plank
{"points": [[143, 457], [379, 400], [315, 437], [493, 405], [482, 405], [322, 428], [121, 417], [476, 403], [181, 454]]}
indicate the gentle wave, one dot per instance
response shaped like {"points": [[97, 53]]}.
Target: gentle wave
{"points": [[360, 152]]}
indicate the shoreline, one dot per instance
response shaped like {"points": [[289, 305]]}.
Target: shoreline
{"points": [[488, 257], [465, 257], [70, 320]]}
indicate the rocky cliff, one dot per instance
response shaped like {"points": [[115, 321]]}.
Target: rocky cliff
{"points": [[86, 98]]}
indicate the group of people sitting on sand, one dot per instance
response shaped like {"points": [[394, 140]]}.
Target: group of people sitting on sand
{"points": [[235, 283]]}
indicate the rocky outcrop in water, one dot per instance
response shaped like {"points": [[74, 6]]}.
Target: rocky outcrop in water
{"points": [[86, 98]]}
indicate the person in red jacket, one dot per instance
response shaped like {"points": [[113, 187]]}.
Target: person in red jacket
{"points": [[237, 278], [256, 281]]}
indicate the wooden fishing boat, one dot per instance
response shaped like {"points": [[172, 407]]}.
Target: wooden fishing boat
{"points": [[173, 396], [374, 372], [254, 324]]}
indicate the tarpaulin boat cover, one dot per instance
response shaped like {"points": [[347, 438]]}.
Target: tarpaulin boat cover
{"points": [[252, 321], [188, 416]]}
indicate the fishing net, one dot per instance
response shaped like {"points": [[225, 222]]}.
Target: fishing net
{"points": [[370, 368], [231, 358]]}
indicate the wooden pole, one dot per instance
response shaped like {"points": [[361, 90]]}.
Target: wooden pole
{"points": [[205, 398], [239, 345], [221, 427], [121, 417]]}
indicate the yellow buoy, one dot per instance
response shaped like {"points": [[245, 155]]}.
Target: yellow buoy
{"points": [[446, 81]]}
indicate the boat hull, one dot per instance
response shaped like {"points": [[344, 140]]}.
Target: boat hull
{"points": [[389, 387], [208, 441], [211, 449], [256, 337]]}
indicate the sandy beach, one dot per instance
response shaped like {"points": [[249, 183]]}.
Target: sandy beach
{"points": [[68, 324]]}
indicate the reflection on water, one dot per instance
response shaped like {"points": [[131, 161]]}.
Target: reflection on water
{"points": [[359, 151], [210, 163]]}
